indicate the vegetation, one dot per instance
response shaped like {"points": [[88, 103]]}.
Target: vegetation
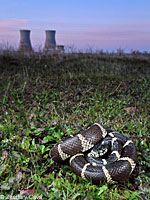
{"points": [[46, 97]]}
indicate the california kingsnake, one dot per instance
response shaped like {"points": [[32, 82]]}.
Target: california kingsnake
{"points": [[117, 151]]}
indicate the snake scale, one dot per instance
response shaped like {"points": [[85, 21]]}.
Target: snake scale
{"points": [[98, 154]]}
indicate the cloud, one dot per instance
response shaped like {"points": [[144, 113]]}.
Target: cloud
{"points": [[134, 34], [109, 34], [12, 22], [9, 27], [129, 31], [108, 38], [142, 24]]}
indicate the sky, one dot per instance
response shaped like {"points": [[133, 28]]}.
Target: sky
{"points": [[79, 24]]}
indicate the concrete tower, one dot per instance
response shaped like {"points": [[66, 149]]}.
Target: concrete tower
{"points": [[50, 42], [25, 44]]}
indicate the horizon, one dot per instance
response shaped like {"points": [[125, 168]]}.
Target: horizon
{"points": [[83, 25]]}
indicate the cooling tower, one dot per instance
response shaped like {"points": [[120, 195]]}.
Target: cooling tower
{"points": [[25, 44], [50, 42]]}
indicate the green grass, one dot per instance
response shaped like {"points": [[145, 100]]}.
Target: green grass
{"points": [[44, 98]]}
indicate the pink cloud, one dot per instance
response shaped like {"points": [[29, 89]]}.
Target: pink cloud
{"points": [[135, 34], [117, 34], [141, 24], [12, 22], [9, 27], [129, 31], [8, 30], [108, 38]]}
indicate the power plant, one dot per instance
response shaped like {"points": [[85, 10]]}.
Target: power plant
{"points": [[49, 46], [25, 44]]}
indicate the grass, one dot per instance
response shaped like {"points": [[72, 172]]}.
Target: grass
{"points": [[44, 98]]}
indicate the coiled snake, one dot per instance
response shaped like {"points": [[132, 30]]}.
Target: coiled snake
{"points": [[113, 157]]}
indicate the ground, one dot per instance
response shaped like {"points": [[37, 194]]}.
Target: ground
{"points": [[46, 97]]}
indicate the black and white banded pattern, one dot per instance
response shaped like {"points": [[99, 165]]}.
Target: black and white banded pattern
{"points": [[112, 158]]}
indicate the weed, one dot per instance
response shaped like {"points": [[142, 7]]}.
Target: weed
{"points": [[44, 98]]}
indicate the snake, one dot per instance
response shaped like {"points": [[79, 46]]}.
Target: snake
{"points": [[97, 154]]}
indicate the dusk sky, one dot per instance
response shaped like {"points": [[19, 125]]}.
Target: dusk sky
{"points": [[97, 24]]}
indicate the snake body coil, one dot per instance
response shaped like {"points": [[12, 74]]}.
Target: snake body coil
{"points": [[113, 157]]}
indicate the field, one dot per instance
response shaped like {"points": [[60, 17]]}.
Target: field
{"points": [[46, 97]]}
